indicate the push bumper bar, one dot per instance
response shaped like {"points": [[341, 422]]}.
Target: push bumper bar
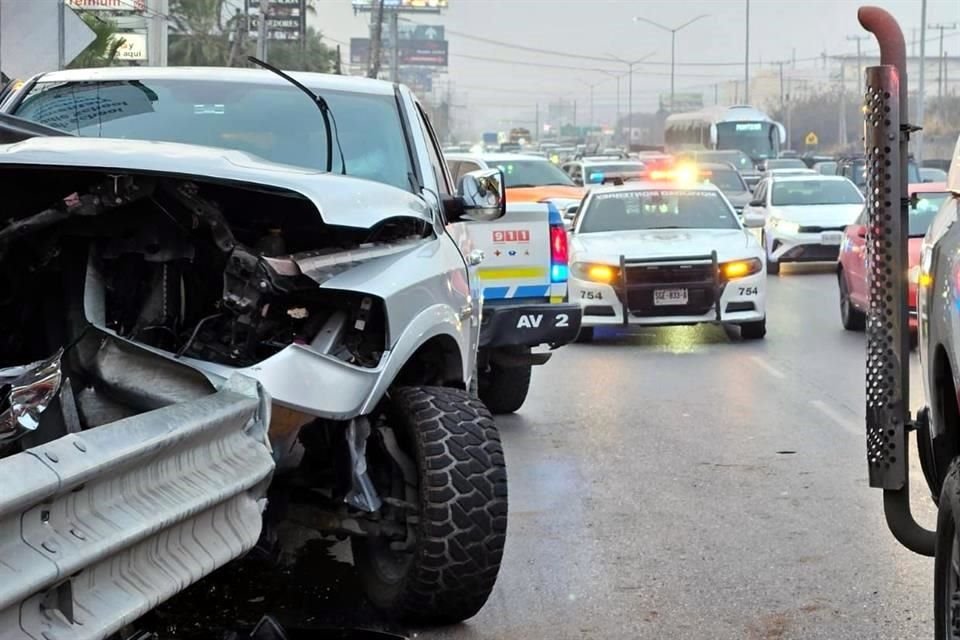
{"points": [[625, 286]]}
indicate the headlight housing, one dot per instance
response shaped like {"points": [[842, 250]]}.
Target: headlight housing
{"points": [[785, 225], [740, 268], [593, 272]]}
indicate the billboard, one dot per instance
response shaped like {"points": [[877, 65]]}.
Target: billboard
{"points": [[426, 6], [424, 53], [108, 5], [133, 47]]}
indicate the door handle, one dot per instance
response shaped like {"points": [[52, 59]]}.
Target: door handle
{"points": [[476, 257]]}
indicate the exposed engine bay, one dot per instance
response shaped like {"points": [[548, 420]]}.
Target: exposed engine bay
{"points": [[222, 272]]}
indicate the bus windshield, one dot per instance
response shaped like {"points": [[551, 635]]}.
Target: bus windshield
{"points": [[753, 138]]}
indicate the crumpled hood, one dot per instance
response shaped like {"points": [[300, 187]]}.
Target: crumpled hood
{"points": [[608, 246], [818, 215], [341, 200]]}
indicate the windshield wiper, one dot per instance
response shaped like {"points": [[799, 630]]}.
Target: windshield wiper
{"points": [[324, 111]]}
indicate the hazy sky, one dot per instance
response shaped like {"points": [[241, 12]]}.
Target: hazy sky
{"points": [[602, 28]]}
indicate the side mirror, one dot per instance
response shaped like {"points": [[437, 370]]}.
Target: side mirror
{"points": [[758, 203], [482, 196], [753, 220], [577, 181], [569, 216], [861, 231], [914, 200]]}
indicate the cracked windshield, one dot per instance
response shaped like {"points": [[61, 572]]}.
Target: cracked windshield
{"points": [[479, 319]]}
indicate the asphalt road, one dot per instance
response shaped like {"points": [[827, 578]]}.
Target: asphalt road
{"points": [[679, 483]]}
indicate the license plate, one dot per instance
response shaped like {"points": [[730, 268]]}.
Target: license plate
{"points": [[667, 297], [831, 237]]}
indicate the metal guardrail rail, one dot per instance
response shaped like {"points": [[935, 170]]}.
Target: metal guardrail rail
{"points": [[98, 527]]}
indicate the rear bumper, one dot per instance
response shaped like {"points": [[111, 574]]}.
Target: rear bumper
{"points": [[529, 325], [801, 247]]}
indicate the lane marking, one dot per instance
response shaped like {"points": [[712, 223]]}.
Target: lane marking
{"points": [[772, 370], [847, 424]]}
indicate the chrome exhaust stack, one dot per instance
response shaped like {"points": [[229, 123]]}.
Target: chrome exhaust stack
{"points": [[888, 420]]}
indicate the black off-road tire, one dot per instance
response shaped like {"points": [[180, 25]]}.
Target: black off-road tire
{"points": [[504, 389], [462, 512], [773, 268], [946, 582], [852, 318], [753, 330]]}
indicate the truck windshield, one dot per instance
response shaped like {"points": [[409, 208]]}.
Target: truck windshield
{"points": [[274, 122], [656, 209]]}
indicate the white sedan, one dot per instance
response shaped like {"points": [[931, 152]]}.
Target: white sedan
{"points": [[803, 217], [661, 253]]}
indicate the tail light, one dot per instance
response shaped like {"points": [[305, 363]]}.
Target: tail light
{"points": [[558, 252]]}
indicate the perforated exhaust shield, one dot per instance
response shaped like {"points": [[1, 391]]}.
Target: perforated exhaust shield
{"points": [[887, 400]]}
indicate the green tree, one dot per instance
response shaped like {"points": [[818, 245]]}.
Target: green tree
{"points": [[197, 36], [314, 56], [102, 52]]}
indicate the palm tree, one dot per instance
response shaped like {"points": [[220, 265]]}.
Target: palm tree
{"points": [[102, 52], [197, 35]]}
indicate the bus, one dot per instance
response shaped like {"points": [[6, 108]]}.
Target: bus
{"points": [[740, 127]]}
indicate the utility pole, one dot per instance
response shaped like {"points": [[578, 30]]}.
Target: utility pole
{"points": [[630, 66], [859, 60], [395, 40], [376, 40], [156, 25], [716, 93], [943, 63], [788, 123], [536, 119], [61, 35], [617, 77], [262, 30], [842, 126], [921, 95], [746, 59], [780, 64]]}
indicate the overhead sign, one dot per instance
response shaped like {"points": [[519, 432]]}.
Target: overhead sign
{"points": [[408, 31], [285, 19], [138, 6], [811, 139], [25, 24], [682, 101], [133, 46], [424, 53], [426, 6]]}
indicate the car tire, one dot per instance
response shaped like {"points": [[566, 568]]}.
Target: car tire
{"points": [[585, 335], [946, 581], [773, 268], [504, 389], [852, 318], [914, 340], [461, 525], [753, 330]]}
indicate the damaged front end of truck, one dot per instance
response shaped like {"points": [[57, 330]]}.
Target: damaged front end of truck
{"points": [[181, 328]]}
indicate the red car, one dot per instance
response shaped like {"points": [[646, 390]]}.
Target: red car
{"points": [[925, 201]]}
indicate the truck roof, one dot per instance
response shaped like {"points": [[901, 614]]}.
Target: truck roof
{"points": [[223, 74], [494, 157]]}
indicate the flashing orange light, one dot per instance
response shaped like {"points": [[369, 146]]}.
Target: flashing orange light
{"points": [[601, 273], [740, 268], [925, 279], [684, 174]]}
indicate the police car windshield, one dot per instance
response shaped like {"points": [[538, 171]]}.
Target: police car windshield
{"points": [[656, 209], [274, 122], [532, 173], [922, 210], [788, 193]]}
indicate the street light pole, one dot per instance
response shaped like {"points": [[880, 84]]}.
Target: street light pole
{"points": [[673, 48], [746, 59], [617, 77], [630, 65], [921, 96], [941, 68]]}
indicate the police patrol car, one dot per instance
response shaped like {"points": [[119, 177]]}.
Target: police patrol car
{"points": [[670, 250]]}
